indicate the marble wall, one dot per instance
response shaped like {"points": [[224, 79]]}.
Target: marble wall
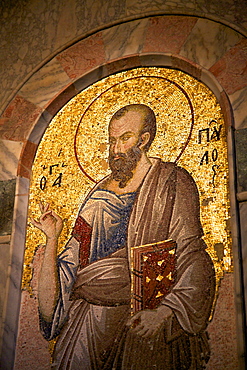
{"points": [[47, 72], [34, 31]]}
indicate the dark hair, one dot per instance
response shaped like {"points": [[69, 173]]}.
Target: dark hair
{"points": [[149, 120]]}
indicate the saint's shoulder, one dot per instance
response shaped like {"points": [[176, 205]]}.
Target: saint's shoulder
{"points": [[182, 174]]}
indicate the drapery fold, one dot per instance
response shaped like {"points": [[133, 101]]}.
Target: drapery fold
{"points": [[95, 300]]}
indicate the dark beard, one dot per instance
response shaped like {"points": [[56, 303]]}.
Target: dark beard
{"points": [[122, 168]]}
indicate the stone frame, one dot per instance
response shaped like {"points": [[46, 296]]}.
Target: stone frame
{"points": [[29, 113]]}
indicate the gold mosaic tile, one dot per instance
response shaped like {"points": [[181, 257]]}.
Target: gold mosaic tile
{"points": [[63, 176]]}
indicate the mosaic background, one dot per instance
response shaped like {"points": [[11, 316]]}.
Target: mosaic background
{"points": [[81, 126]]}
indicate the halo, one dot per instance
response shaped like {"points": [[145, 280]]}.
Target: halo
{"points": [[181, 89]]}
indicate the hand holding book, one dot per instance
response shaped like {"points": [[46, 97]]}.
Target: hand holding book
{"points": [[147, 322], [153, 273]]}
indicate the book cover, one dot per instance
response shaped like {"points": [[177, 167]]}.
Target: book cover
{"points": [[153, 273]]}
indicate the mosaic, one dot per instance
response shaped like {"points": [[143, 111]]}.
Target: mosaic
{"points": [[58, 180], [132, 236]]}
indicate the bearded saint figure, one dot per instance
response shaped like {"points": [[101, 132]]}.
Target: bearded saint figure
{"points": [[84, 293]]}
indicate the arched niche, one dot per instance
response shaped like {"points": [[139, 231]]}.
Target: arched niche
{"points": [[40, 121]]}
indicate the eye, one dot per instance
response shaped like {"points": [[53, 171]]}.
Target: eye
{"points": [[125, 138]]}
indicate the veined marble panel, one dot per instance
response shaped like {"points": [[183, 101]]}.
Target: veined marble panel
{"points": [[232, 191], [208, 42], [7, 194], [227, 10], [14, 294], [243, 224], [45, 84], [82, 57], [235, 250], [231, 69], [41, 28], [242, 197], [167, 34], [9, 156], [18, 119], [241, 156], [239, 104], [125, 39], [92, 14], [4, 264], [5, 239]]}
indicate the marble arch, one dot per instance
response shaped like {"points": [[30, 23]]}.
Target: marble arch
{"points": [[150, 42]]}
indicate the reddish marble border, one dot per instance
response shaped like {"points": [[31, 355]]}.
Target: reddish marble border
{"points": [[231, 69], [167, 34], [18, 119], [85, 55]]}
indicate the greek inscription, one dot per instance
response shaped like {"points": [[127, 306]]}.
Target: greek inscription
{"points": [[42, 183], [52, 166], [214, 155], [216, 133], [203, 133], [45, 180], [214, 167], [204, 158], [58, 180]]}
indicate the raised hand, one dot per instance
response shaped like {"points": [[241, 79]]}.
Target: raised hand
{"points": [[49, 222], [48, 287]]}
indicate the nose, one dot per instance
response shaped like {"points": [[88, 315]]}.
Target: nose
{"points": [[116, 147]]}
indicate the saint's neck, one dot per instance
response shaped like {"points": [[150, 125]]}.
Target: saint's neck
{"points": [[142, 168]]}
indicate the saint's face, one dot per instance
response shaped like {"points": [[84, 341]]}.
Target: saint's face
{"points": [[124, 133]]}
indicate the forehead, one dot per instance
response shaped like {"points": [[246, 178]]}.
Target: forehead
{"points": [[130, 122]]}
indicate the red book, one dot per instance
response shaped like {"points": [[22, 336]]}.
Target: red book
{"points": [[153, 272]]}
